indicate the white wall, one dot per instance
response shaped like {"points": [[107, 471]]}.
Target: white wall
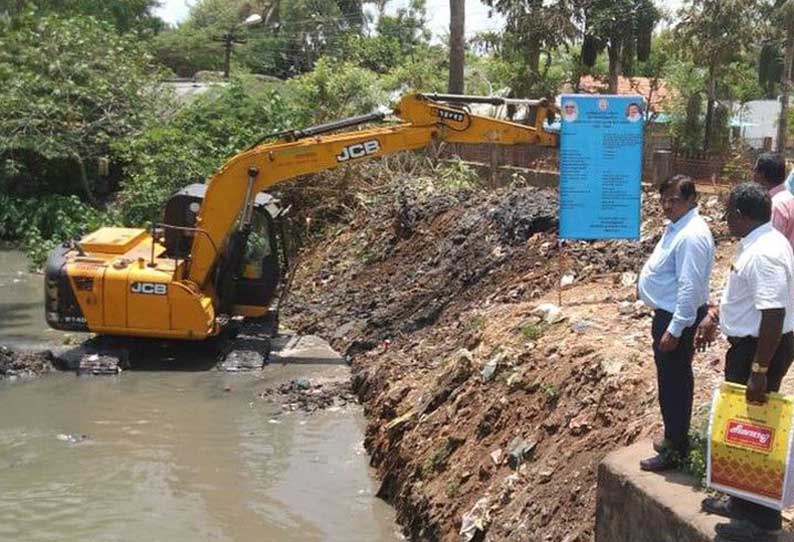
{"points": [[763, 116]]}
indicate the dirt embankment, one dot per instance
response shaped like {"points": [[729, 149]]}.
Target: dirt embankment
{"points": [[484, 417]]}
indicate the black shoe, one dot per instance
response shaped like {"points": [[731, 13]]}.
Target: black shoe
{"points": [[721, 506], [659, 463], [744, 531]]}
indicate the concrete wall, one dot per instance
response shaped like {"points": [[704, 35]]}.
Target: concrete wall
{"points": [[637, 506]]}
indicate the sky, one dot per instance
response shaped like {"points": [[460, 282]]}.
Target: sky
{"points": [[477, 20]]}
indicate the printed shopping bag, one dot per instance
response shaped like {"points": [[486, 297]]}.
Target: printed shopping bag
{"points": [[750, 447]]}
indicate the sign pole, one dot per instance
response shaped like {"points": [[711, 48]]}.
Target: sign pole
{"points": [[561, 265]]}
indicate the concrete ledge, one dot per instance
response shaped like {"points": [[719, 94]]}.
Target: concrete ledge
{"points": [[637, 506]]}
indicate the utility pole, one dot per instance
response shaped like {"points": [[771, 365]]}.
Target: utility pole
{"points": [[229, 40]]}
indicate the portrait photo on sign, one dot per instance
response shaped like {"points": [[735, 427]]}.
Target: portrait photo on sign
{"points": [[569, 111], [633, 112]]}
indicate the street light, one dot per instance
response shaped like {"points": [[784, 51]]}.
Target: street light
{"points": [[229, 40]]}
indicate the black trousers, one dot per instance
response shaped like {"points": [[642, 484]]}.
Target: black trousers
{"points": [[674, 379], [738, 363]]}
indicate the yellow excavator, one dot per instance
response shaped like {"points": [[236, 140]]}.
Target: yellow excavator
{"points": [[219, 257]]}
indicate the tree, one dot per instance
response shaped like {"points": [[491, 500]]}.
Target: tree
{"points": [[785, 12], [534, 29], [125, 15], [624, 28], [295, 35], [398, 40], [715, 33], [68, 88], [457, 45]]}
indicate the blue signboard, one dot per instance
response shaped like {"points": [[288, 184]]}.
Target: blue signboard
{"points": [[601, 167]]}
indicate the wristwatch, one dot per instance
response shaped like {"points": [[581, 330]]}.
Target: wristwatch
{"points": [[757, 368]]}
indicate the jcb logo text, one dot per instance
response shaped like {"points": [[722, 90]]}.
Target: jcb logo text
{"points": [[149, 288], [358, 150]]}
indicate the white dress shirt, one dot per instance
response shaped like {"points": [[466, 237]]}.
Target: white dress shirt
{"points": [[676, 276], [761, 277]]}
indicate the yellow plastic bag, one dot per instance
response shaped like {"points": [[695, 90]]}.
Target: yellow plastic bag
{"points": [[750, 447]]}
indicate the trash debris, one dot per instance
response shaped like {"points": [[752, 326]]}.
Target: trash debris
{"points": [[475, 520], [71, 439], [628, 279], [626, 307], [567, 280], [496, 456], [490, 368], [582, 325], [550, 313], [612, 367], [518, 450]]}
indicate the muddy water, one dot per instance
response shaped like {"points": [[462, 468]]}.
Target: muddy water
{"points": [[180, 456], [22, 302]]}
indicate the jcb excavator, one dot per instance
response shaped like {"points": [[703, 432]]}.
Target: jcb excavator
{"points": [[219, 258]]}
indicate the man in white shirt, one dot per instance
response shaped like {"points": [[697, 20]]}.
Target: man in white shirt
{"points": [[675, 283], [757, 315]]}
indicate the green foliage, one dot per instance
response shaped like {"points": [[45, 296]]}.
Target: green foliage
{"points": [[42, 223], [453, 488], [399, 39], [532, 332], [534, 30], [125, 15], [294, 34], [455, 176], [686, 123], [334, 91], [695, 464], [551, 390], [624, 28], [438, 460], [193, 144], [68, 88]]}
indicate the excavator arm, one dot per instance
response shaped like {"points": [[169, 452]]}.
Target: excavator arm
{"points": [[231, 191]]}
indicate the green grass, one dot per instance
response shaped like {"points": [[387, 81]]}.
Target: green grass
{"points": [[532, 332]]}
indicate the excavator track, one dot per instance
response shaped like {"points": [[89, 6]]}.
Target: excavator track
{"points": [[102, 356], [248, 349]]}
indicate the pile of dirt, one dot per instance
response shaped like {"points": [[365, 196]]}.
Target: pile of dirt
{"points": [[483, 415], [309, 396], [19, 364]]}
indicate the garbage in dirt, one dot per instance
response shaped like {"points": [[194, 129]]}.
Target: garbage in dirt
{"points": [[612, 367], [628, 279], [496, 456], [518, 450], [582, 325], [550, 313], [490, 368], [302, 394], [567, 280], [475, 520], [18, 363]]}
